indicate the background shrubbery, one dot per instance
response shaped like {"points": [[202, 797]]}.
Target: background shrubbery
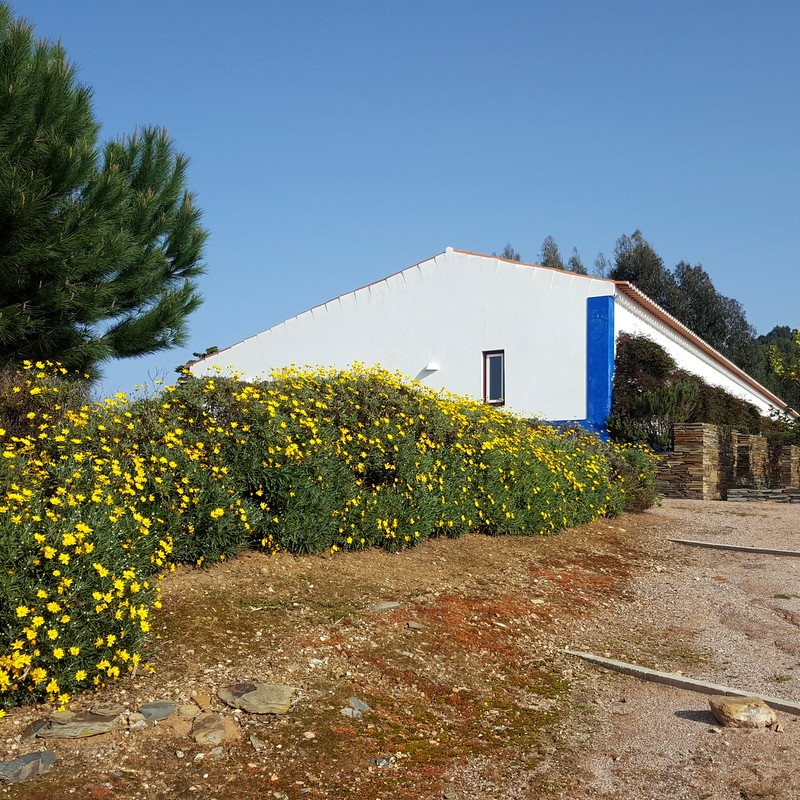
{"points": [[97, 501], [651, 394]]}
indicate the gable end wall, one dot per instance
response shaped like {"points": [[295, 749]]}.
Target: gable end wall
{"points": [[449, 310]]}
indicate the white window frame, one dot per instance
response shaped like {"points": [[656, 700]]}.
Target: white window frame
{"points": [[490, 359]]}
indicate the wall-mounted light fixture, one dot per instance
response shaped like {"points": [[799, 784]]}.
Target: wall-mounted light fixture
{"points": [[432, 366]]}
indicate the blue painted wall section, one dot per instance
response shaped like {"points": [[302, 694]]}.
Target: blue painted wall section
{"points": [[599, 366], [599, 361]]}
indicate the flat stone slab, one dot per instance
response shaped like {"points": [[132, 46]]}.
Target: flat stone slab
{"points": [[26, 767], [109, 709], [385, 605], [79, 727], [62, 717], [159, 710], [34, 728], [258, 698], [208, 729]]}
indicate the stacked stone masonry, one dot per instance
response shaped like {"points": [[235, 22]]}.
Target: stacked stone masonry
{"points": [[711, 462]]}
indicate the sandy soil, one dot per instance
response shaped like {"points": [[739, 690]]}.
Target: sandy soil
{"points": [[472, 695], [727, 617]]}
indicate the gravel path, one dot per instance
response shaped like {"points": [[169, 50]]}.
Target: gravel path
{"points": [[727, 617]]}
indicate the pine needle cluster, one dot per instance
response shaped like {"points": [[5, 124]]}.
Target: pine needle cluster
{"points": [[100, 246]]}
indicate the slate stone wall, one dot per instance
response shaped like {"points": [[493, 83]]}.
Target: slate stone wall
{"points": [[711, 462]]}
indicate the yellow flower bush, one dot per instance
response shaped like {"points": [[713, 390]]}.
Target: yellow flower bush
{"points": [[98, 501], [342, 460]]}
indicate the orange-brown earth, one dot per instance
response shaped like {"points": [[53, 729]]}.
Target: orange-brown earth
{"points": [[472, 695]]}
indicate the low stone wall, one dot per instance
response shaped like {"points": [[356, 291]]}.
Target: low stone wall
{"points": [[762, 495], [693, 466], [710, 462]]}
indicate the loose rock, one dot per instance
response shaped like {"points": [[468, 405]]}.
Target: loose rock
{"points": [[109, 709], [26, 767], [742, 712], [258, 698], [358, 705], [136, 722], [79, 727], [188, 711], [386, 605], [210, 730], [258, 744], [203, 701], [158, 710]]}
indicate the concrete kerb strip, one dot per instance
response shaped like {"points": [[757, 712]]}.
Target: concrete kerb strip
{"points": [[681, 682], [739, 547]]}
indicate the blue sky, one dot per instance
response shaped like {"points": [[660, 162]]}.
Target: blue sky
{"points": [[333, 143]]}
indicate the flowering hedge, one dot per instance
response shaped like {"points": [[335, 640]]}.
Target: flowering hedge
{"points": [[97, 502]]}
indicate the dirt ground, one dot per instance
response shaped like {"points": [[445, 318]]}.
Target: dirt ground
{"points": [[470, 690]]}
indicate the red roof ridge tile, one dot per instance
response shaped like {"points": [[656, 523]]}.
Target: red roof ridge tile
{"points": [[536, 266]]}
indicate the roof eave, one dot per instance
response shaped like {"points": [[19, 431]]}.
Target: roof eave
{"points": [[643, 300]]}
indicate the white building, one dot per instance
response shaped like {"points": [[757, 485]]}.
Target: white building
{"points": [[538, 340]]}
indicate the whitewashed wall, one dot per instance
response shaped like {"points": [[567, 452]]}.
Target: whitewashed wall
{"points": [[453, 307], [449, 310], [631, 318]]}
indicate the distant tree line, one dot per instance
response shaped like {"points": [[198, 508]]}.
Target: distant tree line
{"points": [[688, 294]]}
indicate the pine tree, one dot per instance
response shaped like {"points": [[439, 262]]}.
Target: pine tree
{"points": [[717, 319], [550, 255], [99, 246], [602, 266], [574, 264], [636, 261], [510, 253]]}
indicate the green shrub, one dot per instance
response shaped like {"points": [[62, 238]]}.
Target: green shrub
{"points": [[98, 501], [635, 468], [651, 394]]}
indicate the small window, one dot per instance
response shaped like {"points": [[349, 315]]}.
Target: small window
{"points": [[494, 377]]}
